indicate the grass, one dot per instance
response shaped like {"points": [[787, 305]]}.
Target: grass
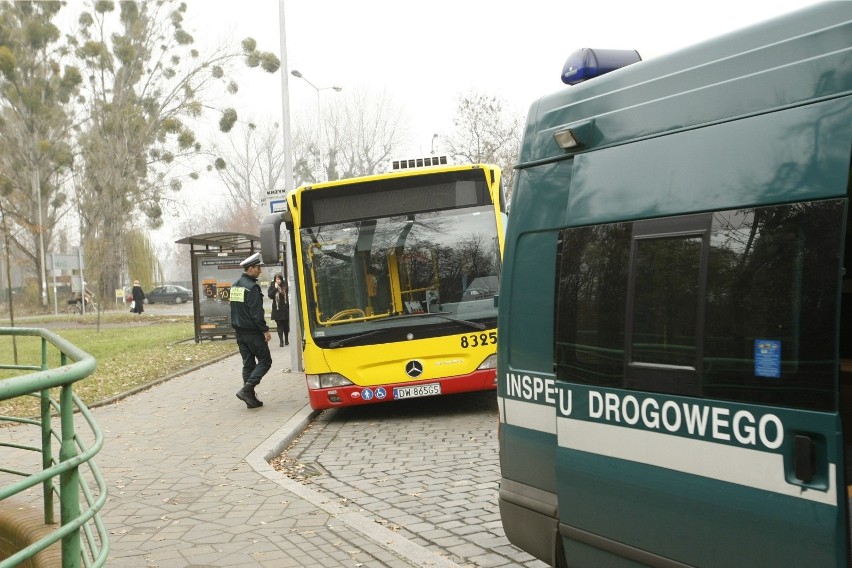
{"points": [[130, 351]]}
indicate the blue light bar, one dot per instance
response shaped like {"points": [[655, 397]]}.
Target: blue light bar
{"points": [[587, 63]]}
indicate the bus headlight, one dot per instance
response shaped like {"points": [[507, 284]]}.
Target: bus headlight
{"points": [[327, 380], [489, 363]]}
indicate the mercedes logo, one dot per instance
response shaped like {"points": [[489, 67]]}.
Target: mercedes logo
{"points": [[414, 369]]}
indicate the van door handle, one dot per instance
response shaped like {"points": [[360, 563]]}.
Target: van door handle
{"points": [[804, 458]]}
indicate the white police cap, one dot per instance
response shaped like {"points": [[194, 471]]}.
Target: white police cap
{"points": [[253, 260]]}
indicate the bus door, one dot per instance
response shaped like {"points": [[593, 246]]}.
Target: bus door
{"points": [[697, 373]]}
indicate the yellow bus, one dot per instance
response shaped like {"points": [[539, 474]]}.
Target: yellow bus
{"points": [[397, 276]]}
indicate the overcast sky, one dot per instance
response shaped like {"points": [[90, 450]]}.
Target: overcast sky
{"points": [[424, 54]]}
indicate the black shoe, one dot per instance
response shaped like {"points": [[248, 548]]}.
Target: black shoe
{"points": [[286, 343], [246, 394], [281, 344]]}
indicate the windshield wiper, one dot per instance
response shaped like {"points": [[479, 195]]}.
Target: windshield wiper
{"points": [[351, 338], [442, 315], [472, 324]]}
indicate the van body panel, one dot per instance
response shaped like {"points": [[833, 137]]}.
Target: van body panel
{"points": [[732, 139], [717, 81]]}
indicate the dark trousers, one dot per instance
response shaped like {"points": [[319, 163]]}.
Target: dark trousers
{"points": [[283, 328], [256, 357]]}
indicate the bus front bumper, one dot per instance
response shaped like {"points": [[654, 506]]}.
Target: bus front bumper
{"points": [[351, 395]]}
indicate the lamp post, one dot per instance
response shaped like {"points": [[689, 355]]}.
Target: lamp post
{"points": [[298, 74], [289, 183]]}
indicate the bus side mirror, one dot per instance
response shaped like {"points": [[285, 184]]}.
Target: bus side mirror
{"points": [[270, 238]]}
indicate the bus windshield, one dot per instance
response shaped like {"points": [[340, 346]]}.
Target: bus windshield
{"points": [[373, 272]]}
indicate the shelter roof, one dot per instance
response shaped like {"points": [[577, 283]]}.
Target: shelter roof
{"points": [[222, 241]]}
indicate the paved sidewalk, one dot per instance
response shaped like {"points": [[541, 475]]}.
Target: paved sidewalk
{"points": [[189, 484]]}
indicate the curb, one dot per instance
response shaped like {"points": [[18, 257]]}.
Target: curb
{"points": [[385, 538]]}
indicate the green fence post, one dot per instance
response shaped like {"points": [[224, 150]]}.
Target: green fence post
{"points": [[74, 491], [47, 457], [69, 482], [46, 442]]}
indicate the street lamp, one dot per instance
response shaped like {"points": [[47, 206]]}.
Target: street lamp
{"points": [[298, 74], [289, 183]]}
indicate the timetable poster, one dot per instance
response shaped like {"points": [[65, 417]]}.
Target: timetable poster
{"points": [[215, 276]]}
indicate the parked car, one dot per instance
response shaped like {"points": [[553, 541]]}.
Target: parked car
{"points": [[167, 294]]}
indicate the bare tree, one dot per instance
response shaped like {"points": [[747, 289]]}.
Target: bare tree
{"points": [[146, 85], [142, 258], [212, 217], [270, 172], [361, 132], [305, 150], [36, 119], [485, 130], [374, 130], [250, 164]]}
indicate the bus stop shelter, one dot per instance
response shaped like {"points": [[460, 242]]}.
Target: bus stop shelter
{"points": [[215, 260]]}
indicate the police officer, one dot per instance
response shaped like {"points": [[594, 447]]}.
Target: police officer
{"points": [[247, 319]]}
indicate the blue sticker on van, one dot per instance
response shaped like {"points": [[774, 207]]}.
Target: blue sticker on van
{"points": [[767, 358]]}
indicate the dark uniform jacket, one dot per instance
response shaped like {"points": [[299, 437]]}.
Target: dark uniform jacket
{"points": [[247, 316]]}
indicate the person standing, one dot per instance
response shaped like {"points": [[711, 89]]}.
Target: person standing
{"points": [[247, 319], [138, 298], [280, 309]]}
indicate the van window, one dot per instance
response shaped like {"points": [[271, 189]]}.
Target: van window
{"points": [[774, 275], [665, 298], [591, 304], [756, 325]]}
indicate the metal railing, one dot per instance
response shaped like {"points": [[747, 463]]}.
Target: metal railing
{"points": [[82, 533]]}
